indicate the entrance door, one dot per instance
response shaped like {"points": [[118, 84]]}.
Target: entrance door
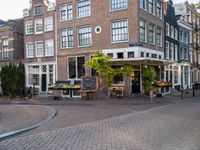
{"points": [[44, 83], [136, 82]]}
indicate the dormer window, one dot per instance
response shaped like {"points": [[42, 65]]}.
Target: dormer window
{"points": [[38, 10]]}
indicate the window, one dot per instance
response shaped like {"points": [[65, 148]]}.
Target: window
{"points": [[76, 67], [38, 26], [151, 34], [48, 24], [142, 25], [66, 12], [171, 54], [176, 34], [176, 52], [33, 75], [85, 36], [175, 75], [110, 55], [5, 49], [167, 50], [143, 4], [29, 50], [181, 53], [185, 54], [51, 72], [29, 27], [39, 49], [181, 36], [49, 47], [172, 32], [185, 38], [167, 29], [159, 36], [83, 8], [131, 55], [159, 10], [118, 4], [119, 31], [38, 10], [186, 73], [67, 38], [151, 6]]}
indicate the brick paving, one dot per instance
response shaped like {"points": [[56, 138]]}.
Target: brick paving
{"points": [[170, 127]]}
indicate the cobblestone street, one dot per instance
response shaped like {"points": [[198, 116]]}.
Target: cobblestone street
{"points": [[170, 127]]}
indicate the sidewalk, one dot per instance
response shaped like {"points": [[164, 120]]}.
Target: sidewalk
{"points": [[133, 100]]}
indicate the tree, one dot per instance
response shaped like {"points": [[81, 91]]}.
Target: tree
{"points": [[101, 63], [12, 79], [148, 75]]}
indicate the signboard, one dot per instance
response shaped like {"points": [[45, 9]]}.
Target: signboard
{"points": [[88, 83], [136, 44]]}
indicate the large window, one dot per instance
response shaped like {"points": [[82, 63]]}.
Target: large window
{"points": [[159, 10], [76, 67], [38, 10], [49, 47], [67, 38], [118, 4], [48, 24], [175, 74], [142, 25], [66, 12], [151, 6], [39, 49], [176, 52], [159, 36], [85, 36], [29, 27], [143, 4], [172, 32], [5, 49], [33, 75], [29, 50], [38, 26], [167, 29], [167, 50], [83, 8], [171, 54], [119, 31], [186, 73], [151, 34]]}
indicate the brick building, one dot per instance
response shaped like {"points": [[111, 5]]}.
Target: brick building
{"points": [[190, 17], [40, 44], [129, 31], [11, 41]]}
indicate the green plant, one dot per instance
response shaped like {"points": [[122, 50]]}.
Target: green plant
{"points": [[148, 75], [101, 63], [12, 79]]}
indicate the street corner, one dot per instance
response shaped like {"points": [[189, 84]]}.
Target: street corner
{"points": [[16, 119]]}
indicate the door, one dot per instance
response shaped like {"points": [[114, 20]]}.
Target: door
{"points": [[136, 82], [44, 83]]}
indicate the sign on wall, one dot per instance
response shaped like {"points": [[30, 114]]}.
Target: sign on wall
{"points": [[88, 83]]}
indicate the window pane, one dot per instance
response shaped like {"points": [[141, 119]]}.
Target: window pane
{"points": [[118, 4]]}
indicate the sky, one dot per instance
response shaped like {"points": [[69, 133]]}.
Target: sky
{"points": [[12, 9]]}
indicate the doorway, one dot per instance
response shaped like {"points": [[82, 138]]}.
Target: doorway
{"points": [[136, 82], [44, 83]]}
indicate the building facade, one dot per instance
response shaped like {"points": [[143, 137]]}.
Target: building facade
{"points": [[131, 32], [190, 18], [40, 44], [11, 41]]}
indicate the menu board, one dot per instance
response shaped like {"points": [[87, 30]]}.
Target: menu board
{"points": [[88, 83]]}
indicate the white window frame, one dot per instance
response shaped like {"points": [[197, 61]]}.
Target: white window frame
{"points": [[26, 27], [153, 43], [35, 10], [47, 46], [159, 44], [67, 38], [36, 50], [66, 12], [167, 29], [5, 51], [145, 4], [145, 30], [153, 3], [167, 49], [77, 8], [48, 26], [38, 20], [29, 56], [87, 45], [110, 4], [120, 41], [161, 8]]}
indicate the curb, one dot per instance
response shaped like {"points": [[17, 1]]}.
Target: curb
{"points": [[51, 114]]}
